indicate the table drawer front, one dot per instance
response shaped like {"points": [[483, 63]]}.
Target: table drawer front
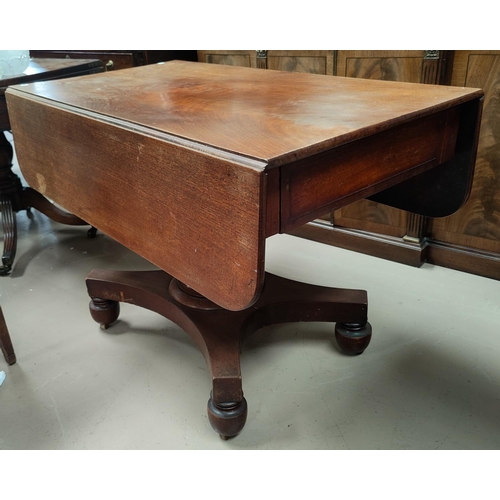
{"points": [[356, 170]]}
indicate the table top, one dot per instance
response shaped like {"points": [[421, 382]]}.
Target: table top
{"points": [[45, 69], [193, 165], [41, 69], [272, 116]]}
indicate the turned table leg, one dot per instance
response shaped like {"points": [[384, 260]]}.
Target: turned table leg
{"points": [[10, 202], [219, 333], [9, 235]]}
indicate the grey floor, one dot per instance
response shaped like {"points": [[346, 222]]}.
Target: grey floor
{"points": [[430, 379]]}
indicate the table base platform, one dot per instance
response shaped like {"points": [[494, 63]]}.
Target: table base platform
{"points": [[219, 333]]}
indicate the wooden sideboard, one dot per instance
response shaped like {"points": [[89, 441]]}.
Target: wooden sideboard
{"points": [[469, 240], [120, 59]]}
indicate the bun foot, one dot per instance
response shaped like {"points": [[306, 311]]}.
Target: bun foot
{"points": [[105, 312], [353, 338], [227, 419]]}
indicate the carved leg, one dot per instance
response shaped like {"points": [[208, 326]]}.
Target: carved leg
{"points": [[10, 188], [9, 234], [218, 333], [5, 342], [214, 331], [283, 300], [33, 199]]}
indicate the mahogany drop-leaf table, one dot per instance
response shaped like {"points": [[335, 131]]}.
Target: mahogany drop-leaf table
{"points": [[194, 165]]}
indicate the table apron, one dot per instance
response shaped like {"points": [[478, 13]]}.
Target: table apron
{"points": [[322, 183]]}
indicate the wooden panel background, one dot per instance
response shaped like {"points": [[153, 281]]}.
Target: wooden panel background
{"points": [[477, 224], [246, 58], [394, 65], [320, 62]]}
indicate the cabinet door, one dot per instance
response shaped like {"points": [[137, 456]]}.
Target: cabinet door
{"points": [[247, 58], [412, 66], [320, 62], [475, 228]]}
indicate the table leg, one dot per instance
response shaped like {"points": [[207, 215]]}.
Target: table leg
{"points": [[10, 201], [9, 235], [33, 199], [5, 342], [13, 198], [219, 333]]}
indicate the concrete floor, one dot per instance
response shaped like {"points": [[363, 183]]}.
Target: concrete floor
{"points": [[430, 379]]}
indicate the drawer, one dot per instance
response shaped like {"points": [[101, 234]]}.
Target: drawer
{"points": [[356, 170]]}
